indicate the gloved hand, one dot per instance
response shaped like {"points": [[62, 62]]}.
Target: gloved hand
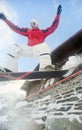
{"points": [[59, 9], [2, 16]]}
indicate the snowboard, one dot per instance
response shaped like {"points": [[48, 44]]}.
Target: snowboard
{"points": [[6, 76]]}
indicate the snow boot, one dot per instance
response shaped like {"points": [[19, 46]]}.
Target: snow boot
{"points": [[49, 68]]}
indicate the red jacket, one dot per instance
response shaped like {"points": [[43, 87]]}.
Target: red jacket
{"points": [[35, 36]]}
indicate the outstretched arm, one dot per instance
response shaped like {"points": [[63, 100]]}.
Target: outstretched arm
{"points": [[55, 23], [22, 31]]}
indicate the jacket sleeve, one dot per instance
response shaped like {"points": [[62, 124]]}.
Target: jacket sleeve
{"points": [[22, 31], [53, 27]]}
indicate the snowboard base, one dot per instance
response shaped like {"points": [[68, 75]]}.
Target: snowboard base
{"points": [[32, 75]]}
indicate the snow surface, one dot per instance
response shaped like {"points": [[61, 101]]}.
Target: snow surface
{"points": [[73, 61]]}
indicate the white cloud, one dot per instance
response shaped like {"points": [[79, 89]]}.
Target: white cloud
{"points": [[7, 10], [6, 35]]}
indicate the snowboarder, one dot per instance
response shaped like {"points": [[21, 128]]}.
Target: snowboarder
{"points": [[36, 46]]}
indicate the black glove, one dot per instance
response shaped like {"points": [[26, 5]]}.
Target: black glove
{"points": [[59, 9], [2, 16]]}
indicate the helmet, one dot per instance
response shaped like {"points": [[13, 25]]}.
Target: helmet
{"points": [[34, 24]]}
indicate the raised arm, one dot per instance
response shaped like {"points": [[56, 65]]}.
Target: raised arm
{"points": [[55, 23], [22, 31]]}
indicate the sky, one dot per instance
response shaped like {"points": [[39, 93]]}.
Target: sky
{"points": [[21, 12]]}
